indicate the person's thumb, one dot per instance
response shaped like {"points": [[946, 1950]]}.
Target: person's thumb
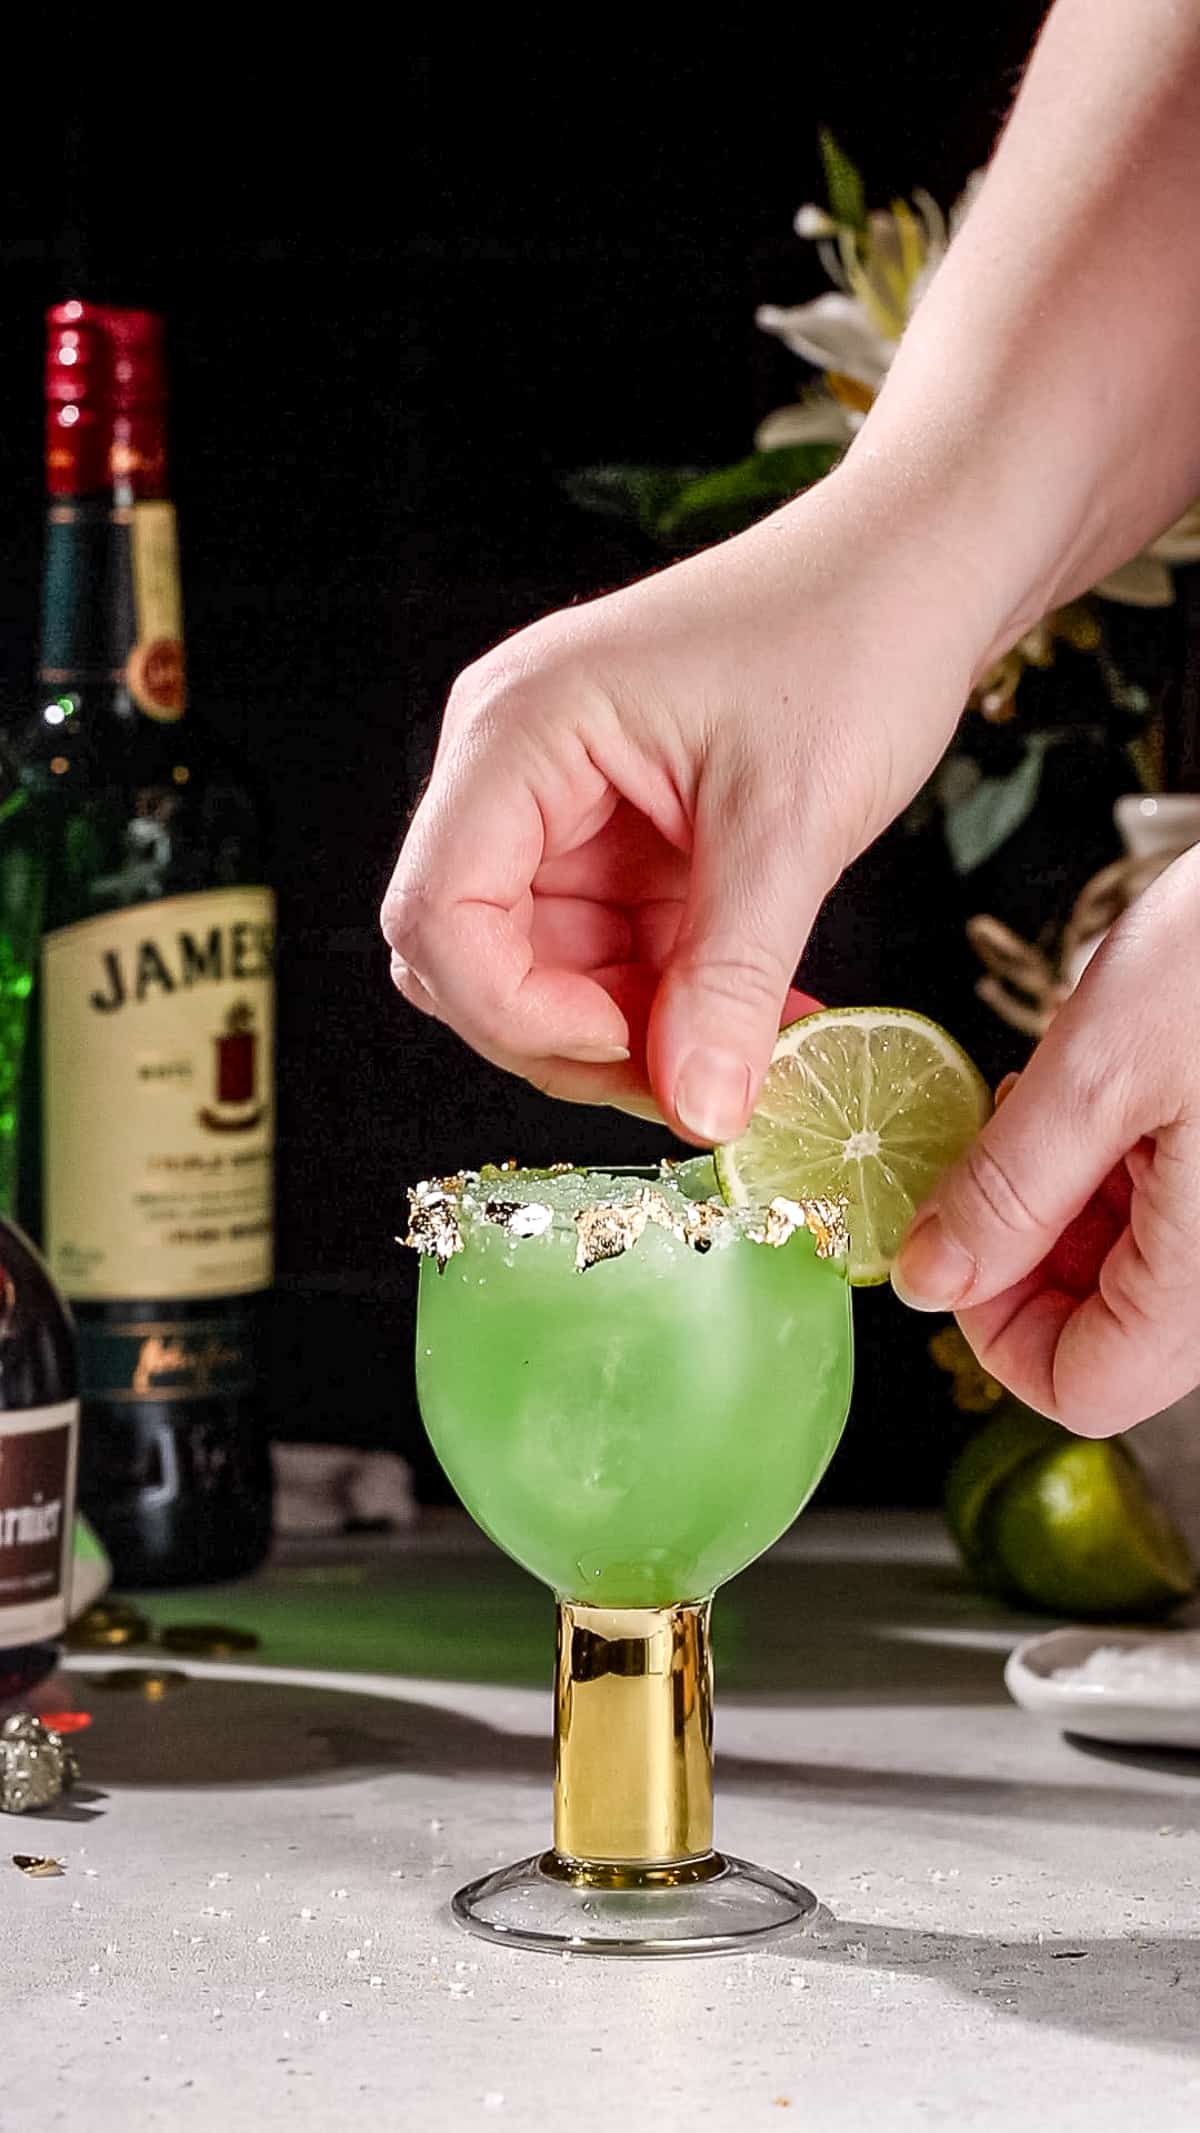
{"points": [[994, 1217], [752, 897]]}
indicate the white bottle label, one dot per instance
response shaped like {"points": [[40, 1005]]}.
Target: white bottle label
{"points": [[37, 1520], [158, 1033]]}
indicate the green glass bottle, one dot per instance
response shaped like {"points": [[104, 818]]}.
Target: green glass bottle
{"points": [[135, 915]]}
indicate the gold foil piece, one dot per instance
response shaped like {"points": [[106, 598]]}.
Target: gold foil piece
{"points": [[633, 1742], [705, 1222], [605, 1231], [37, 1866], [36, 1767], [106, 1626], [826, 1219], [207, 1640], [434, 1228], [152, 1683], [521, 1218]]}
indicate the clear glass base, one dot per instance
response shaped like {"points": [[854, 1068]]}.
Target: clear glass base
{"points": [[705, 1906]]}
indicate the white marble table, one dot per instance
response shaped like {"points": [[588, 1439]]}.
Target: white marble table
{"points": [[252, 1932]]}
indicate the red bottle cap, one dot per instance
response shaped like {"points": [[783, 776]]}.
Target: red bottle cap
{"points": [[137, 341], [78, 401]]}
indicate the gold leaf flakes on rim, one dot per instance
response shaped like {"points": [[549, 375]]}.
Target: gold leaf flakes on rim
{"points": [[434, 1228], [521, 1218], [826, 1219], [605, 1231]]}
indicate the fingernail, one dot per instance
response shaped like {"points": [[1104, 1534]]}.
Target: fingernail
{"points": [[712, 1093], [933, 1273], [597, 1054]]}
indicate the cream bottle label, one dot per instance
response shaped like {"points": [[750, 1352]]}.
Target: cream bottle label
{"points": [[159, 1103], [37, 1516]]}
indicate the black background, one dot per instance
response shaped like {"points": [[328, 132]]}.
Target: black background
{"points": [[405, 296]]}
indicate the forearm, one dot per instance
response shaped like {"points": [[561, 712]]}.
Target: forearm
{"points": [[1042, 416]]}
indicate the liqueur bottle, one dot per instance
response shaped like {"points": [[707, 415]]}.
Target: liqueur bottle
{"points": [[145, 1120], [39, 1432]]}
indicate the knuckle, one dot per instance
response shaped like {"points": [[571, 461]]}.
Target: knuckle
{"points": [[737, 974], [984, 1176], [1127, 1286], [403, 917]]}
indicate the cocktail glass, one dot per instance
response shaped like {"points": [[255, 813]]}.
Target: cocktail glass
{"points": [[633, 1393]]}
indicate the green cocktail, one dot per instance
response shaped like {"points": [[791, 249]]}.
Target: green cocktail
{"points": [[634, 1391], [637, 1433]]}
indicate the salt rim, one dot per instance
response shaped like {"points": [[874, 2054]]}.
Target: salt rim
{"points": [[441, 1209]]}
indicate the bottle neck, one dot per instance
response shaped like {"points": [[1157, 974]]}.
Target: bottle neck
{"points": [[112, 618], [112, 615]]}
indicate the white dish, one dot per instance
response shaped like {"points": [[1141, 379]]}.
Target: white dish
{"points": [[1100, 1712]]}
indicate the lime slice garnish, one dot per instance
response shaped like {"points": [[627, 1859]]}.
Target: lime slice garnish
{"points": [[1078, 1531], [870, 1103]]}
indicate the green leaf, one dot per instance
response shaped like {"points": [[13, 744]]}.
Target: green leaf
{"points": [[732, 498], [639, 494], [978, 825], [843, 183]]}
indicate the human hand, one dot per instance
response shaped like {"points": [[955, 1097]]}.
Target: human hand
{"points": [[638, 805], [1068, 1238]]}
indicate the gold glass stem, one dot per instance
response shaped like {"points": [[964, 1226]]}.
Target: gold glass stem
{"points": [[633, 1736]]}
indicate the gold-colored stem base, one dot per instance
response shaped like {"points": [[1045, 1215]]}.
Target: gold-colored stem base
{"points": [[633, 1746]]}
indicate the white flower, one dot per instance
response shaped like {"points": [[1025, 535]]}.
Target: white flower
{"points": [[1146, 581], [1143, 581], [813, 221], [819, 419], [835, 333], [879, 274]]}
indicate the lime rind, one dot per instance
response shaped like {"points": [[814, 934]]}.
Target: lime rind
{"points": [[1079, 1532]]}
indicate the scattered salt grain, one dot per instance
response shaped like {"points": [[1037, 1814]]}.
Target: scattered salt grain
{"points": [[306, 1913], [1166, 1671], [323, 2015], [375, 1983], [493, 2100], [338, 1893]]}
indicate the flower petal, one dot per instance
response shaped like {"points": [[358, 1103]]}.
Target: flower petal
{"points": [[966, 201], [834, 333], [813, 221], [1181, 542], [1142, 582], [821, 420]]}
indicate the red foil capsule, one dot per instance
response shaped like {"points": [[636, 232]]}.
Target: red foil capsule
{"points": [[79, 412], [137, 343]]}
